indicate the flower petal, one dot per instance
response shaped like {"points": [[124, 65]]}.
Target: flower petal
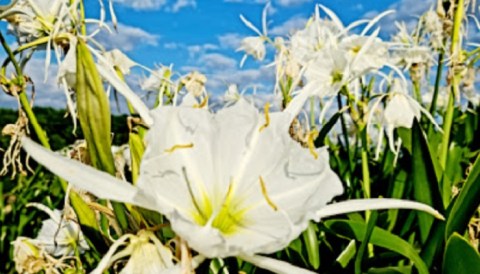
{"points": [[101, 184], [374, 204], [274, 265]]}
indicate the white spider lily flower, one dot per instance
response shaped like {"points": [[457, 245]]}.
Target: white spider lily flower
{"points": [[254, 46], [32, 19], [157, 79], [27, 256], [232, 183], [317, 35], [401, 110], [412, 55], [195, 83], [120, 61], [146, 255], [59, 236], [366, 53]]}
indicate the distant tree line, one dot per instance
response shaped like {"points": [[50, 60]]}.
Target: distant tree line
{"points": [[59, 126]]}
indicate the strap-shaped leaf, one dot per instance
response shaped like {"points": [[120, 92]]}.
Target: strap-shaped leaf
{"points": [[460, 257], [467, 202], [425, 183], [380, 237]]}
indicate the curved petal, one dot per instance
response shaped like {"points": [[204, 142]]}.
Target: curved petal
{"points": [[374, 204], [178, 165], [99, 183], [274, 265]]}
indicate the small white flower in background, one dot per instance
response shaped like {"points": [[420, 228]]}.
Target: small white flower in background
{"points": [[409, 56], [401, 110], [317, 35], [232, 183], [60, 235], [120, 61], [231, 95], [156, 79], [33, 19], [255, 45], [468, 86], [146, 255], [27, 256], [365, 53], [194, 83]]}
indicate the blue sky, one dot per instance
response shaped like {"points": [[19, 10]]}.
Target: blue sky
{"points": [[204, 35]]}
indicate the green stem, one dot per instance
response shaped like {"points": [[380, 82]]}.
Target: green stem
{"points": [[438, 78], [417, 93], [455, 55], [42, 137], [365, 169], [345, 134]]}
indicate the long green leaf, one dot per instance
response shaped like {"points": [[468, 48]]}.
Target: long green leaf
{"points": [[466, 204], [379, 237], [425, 183], [312, 245], [460, 257], [94, 115]]}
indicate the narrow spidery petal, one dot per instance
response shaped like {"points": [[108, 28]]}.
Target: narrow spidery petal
{"points": [[274, 265], [374, 204], [101, 184]]}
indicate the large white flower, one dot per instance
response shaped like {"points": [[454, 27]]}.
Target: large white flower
{"points": [[60, 236], [232, 183]]}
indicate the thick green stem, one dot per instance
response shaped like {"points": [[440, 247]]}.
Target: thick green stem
{"points": [[42, 137], [365, 169], [455, 56]]}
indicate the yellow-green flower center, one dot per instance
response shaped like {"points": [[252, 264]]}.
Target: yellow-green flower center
{"points": [[226, 219]]}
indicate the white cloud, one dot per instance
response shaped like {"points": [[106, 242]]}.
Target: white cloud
{"points": [[405, 10], [180, 4], [230, 40], [169, 6], [197, 50], [217, 61], [283, 3], [288, 3], [127, 38], [289, 26]]}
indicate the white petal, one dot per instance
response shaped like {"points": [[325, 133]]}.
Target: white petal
{"points": [[101, 184], [180, 145], [274, 265], [374, 204]]}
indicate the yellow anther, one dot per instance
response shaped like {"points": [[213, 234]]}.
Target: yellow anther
{"points": [[203, 103], [310, 142], [265, 195], [175, 147], [267, 117]]}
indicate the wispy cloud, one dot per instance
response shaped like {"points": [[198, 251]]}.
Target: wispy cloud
{"points": [[230, 40], [126, 38], [169, 6], [289, 26], [283, 3], [405, 10]]}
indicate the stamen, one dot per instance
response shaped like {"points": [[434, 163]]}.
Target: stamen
{"points": [[267, 117], [175, 147], [190, 191], [310, 142], [203, 103], [265, 195]]}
